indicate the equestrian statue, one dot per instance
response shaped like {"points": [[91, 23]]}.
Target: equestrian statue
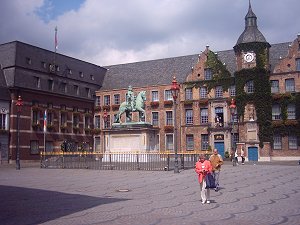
{"points": [[132, 104]]}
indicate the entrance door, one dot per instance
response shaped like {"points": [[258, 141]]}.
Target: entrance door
{"points": [[220, 147], [252, 154]]}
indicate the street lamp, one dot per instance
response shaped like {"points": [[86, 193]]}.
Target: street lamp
{"points": [[19, 105], [104, 125], [175, 91], [232, 108]]}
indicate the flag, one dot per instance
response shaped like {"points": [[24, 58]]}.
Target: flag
{"points": [[55, 39], [45, 121]]}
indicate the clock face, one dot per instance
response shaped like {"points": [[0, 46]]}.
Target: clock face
{"points": [[249, 57]]}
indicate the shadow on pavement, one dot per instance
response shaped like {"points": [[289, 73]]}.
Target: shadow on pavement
{"points": [[34, 206]]}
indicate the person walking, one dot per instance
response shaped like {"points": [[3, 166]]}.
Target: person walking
{"points": [[216, 161], [243, 156], [202, 168], [236, 157]]}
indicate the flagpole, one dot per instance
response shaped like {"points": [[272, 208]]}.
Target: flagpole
{"points": [[55, 47], [45, 130]]}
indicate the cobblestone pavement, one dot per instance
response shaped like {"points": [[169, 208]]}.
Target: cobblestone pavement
{"points": [[249, 194]]}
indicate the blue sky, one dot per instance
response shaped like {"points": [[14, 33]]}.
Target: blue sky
{"points": [[107, 32], [51, 9]]}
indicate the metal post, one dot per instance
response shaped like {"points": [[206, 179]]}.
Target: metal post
{"points": [[176, 169], [18, 167]]}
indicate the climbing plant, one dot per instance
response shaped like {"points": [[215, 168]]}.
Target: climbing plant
{"points": [[261, 98], [285, 126], [259, 48], [220, 75]]}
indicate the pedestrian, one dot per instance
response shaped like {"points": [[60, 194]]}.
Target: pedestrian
{"points": [[232, 159], [236, 157], [216, 161], [243, 156], [202, 168]]}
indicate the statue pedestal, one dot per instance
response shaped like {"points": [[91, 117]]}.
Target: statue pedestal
{"points": [[132, 137]]}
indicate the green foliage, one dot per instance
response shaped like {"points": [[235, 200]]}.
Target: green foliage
{"points": [[285, 126], [261, 98], [260, 50], [220, 75], [226, 154]]}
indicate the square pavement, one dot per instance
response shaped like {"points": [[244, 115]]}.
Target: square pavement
{"points": [[264, 193]]}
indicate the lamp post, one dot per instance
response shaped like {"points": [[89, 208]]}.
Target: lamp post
{"points": [[175, 91], [104, 125], [19, 105], [232, 108]]}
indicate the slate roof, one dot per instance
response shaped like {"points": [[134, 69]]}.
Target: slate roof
{"points": [[161, 71], [147, 73], [4, 92], [251, 32]]}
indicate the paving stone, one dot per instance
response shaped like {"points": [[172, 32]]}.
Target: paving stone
{"points": [[262, 194]]}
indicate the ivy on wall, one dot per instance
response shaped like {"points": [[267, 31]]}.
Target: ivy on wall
{"points": [[220, 75], [259, 48], [285, 126], [261, 98]]}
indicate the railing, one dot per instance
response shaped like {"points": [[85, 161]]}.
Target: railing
{"points": [[118, 161]]}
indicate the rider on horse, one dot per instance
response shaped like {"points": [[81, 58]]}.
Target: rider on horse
{"points": [[130, 99]]}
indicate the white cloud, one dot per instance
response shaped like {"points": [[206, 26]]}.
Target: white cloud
{"points": [[108, 32]]}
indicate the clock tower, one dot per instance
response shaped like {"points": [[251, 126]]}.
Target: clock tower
{"points": [[251, 49]]}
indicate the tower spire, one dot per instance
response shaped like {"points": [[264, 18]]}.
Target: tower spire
{"points": [[250, 18]]}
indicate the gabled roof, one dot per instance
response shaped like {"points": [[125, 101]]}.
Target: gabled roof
{"points": [[161, 71], [148, 73]]}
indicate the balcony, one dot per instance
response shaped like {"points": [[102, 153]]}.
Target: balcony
{"points": [[154, 104], [219, 126], [115, 107], [168, 103], [169, 129], [106, 107]]}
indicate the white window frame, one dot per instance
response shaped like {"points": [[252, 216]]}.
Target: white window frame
{"points": [[277, 142], [189, 117], [293, 142], [190, 142], [168, 95], [276, 112], [291, 111], [203, 92], [169, 120], [274, 86], [154, 96], [203, 115], [219, 92], [188, 94], [290, 85], [155, 121], [169, 146]]}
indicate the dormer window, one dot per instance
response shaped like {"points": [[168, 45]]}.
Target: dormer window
{"points": [[50, 85], [81, 74], [44, 65], [92, 77], [37, 82], [28, 60], [88, 92], [70, 71], [76, 89]]}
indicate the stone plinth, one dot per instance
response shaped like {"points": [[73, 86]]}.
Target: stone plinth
{"points": [[131, 137]]}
